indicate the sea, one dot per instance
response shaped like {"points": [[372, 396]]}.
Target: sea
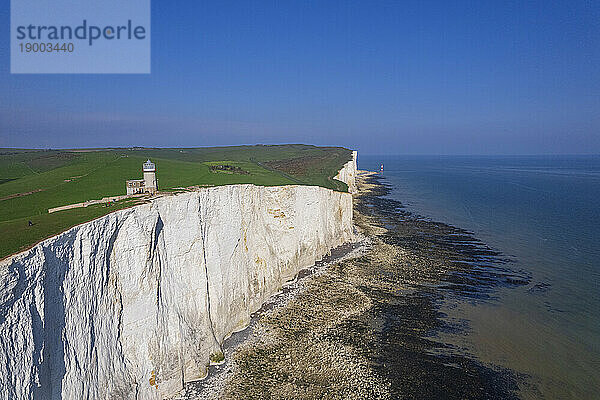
{"points": [[542, 213]]}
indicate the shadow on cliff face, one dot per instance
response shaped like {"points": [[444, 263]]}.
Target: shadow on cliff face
{"points": [[366, 327], [49, 352]]}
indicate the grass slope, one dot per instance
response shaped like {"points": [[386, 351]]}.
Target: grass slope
{"points": [[32, 181]]}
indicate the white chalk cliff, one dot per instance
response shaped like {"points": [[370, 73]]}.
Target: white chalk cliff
{"points": [[348, 173], [133, 304]]}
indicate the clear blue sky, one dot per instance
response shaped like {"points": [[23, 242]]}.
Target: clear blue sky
{"points": [[393, 77]]}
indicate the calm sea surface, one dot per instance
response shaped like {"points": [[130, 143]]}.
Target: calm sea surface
{"points": [[543, 212]]}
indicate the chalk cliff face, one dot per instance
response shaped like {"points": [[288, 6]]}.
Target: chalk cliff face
{"points": [[133, 304], [348, 173]]}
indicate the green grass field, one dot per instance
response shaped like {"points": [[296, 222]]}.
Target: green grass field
{"points": [[32, 181]]}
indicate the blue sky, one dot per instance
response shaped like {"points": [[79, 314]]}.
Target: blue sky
{"points": [[389, 77]]}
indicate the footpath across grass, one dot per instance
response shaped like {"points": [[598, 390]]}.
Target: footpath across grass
{"points": [[32, 181]]}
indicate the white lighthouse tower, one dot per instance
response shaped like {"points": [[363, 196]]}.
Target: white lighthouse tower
{"points": [[150, 184]]}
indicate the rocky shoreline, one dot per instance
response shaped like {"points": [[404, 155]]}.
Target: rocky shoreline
{"points": [[365, 325]]}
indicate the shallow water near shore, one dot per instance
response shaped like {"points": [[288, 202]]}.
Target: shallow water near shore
{"points": [[542, 214]]}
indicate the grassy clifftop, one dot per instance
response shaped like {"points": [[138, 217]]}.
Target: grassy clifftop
{"points": [[32, 181]]}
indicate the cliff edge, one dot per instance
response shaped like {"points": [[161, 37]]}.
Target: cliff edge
{"points": [[135, 303], [348, 173]]}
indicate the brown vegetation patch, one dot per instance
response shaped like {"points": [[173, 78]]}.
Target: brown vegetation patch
{"points": [[297, 166], [12, 196], [228, 169]]}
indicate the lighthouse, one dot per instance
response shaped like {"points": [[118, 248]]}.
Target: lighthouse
{"points": [[146, 185], [150, 184]]}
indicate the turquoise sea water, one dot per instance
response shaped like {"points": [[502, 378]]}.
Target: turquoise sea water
{"points": [[543, 212]]}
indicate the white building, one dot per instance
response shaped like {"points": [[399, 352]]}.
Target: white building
{"points": [[135, 186], [146, 185]]}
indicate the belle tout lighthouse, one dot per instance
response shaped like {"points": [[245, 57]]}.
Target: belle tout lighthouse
{"points": [[146, 185], [150, 177]]}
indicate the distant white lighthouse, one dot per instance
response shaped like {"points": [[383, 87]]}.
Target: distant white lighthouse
{"points": [[150, 184]]}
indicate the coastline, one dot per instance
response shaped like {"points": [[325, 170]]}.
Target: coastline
{"points": [[368, 325], [147, 283], [218, 373]]}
